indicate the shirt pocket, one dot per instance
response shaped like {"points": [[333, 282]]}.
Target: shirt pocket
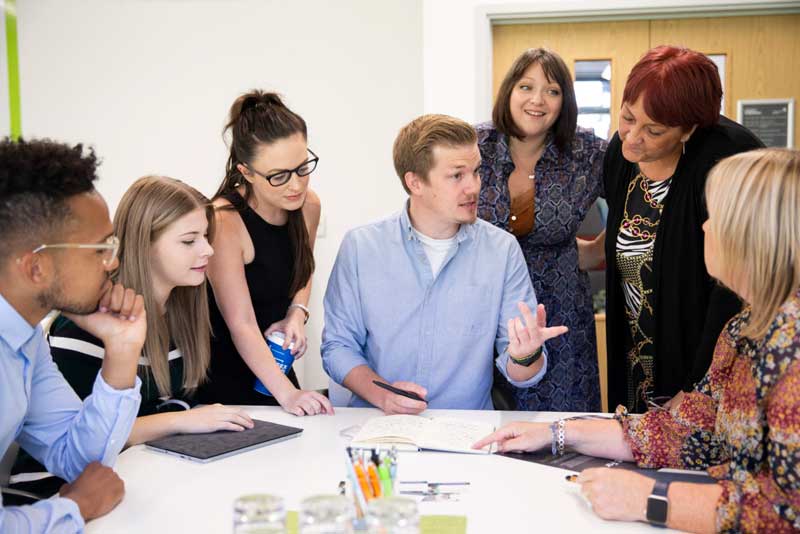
{"points": [[469, 311]]}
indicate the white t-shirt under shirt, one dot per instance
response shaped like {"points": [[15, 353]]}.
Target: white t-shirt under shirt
{"points": [[435, 249]]}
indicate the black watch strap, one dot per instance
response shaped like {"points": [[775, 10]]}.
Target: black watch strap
{"points": [[657, 504]]}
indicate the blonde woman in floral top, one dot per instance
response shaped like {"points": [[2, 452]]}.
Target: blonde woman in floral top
{"points": [[742, 421]]}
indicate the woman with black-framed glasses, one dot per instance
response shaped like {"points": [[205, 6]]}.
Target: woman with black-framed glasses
{"points": [[260, 275]]}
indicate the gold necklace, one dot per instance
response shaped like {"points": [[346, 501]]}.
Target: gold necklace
{"points": [[632, 224]]}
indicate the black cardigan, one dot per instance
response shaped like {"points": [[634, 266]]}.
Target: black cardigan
{"points": [[690, 307]]}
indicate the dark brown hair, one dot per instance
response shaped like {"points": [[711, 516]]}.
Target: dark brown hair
{"points": [[556, 71], [260, 118], [413, 147]]}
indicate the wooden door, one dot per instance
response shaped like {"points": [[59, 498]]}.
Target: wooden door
{"points": [[762, 54]]}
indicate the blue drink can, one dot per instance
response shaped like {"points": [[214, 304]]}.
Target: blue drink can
{"points": [[283, 357]]}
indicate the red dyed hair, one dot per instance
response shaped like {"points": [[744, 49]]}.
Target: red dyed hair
{"points": [[680, 87]]}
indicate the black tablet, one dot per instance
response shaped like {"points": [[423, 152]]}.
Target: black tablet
{"points": [[217, 445]]}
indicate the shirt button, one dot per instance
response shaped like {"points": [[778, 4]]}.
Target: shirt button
{"points": [[513, 217]]}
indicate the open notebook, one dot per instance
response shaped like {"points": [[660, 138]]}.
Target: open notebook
{"points": [[439, 433]]}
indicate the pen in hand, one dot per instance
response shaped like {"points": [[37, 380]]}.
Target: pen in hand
{"points": [[398, 391]]}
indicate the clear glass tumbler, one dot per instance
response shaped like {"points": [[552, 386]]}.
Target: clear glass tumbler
{"points": [[393, 515], [259, 514], [326, 514]]}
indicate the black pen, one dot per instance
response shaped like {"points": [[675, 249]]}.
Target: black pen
{"points": [[398, 391]]}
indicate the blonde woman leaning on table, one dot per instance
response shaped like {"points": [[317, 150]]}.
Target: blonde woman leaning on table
{"points": [[164, 227], [742, 421]]}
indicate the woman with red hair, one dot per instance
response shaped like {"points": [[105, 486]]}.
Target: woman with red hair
{"points": [[664, 311]]}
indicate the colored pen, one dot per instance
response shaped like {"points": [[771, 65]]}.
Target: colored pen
{"points": [[362, 480], [572, 478], [372, 471], [398, 391], [361, 500], [386, 479]]}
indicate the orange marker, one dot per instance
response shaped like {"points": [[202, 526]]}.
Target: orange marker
{"points": [[374, 480], [362, 481]]}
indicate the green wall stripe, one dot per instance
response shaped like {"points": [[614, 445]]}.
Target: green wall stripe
{"points": [[13, 69]]}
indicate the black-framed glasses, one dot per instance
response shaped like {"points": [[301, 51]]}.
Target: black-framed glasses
{"points": [[279, 178], [110, 248]]}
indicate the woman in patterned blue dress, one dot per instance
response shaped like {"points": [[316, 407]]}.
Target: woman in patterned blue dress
{"points": [[541, 174]]}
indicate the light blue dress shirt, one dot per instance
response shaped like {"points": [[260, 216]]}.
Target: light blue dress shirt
{"points": [[43, 414], [385, 309]]}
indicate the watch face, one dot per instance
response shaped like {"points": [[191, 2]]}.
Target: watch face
{"points": [[657, 509]]}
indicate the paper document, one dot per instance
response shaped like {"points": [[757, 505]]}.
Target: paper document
{"points": [[440, 433]]}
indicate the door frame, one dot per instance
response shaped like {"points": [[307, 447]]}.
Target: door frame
{"points": [[541, 13]]}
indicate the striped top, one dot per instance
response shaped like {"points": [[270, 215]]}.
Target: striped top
{"points": [[79, 356]]}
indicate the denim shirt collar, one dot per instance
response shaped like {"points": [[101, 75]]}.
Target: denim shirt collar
{"points": [[14, 329], [465, 231]]}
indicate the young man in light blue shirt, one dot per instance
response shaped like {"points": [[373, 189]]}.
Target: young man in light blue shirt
{"points": [[424, 298], [56, 251]]}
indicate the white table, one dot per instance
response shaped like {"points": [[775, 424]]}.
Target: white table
{"points": [[168, 494]]}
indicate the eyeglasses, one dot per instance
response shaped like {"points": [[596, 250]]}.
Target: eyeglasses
{"points": [[110, 248], [279, 178]]}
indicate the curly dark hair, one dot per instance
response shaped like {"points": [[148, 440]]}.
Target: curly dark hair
{"points": [[37, 178]]}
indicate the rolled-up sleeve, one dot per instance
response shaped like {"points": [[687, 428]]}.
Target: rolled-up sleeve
{"points": [[517, 288], [344, 334], [67, 435], [53, 516]]}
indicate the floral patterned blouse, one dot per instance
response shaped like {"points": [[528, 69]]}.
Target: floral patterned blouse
{"points": [[741, 423]]}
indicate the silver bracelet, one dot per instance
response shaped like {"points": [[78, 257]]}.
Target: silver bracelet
{"points": [[560, 437], [302, 307]]}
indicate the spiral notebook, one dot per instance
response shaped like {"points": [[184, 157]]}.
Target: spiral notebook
{"points": [[213, 446]]}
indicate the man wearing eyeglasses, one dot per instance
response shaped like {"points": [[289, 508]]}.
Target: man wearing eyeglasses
{"points": [[423, 299], [56, 252]]}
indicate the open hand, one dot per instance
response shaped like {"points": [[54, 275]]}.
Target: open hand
{"points": [[211, 418], [525, 338], [301, 403]]}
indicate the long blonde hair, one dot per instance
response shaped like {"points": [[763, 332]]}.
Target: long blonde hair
{"points": [[754, 205], [148, 208]]}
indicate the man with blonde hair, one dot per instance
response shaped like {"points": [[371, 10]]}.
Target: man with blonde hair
{"points": [[423, 299]]}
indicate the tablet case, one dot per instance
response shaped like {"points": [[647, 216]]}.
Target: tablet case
{"points": [[217, 445]]}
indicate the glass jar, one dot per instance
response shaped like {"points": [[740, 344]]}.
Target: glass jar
{"points": [[259, 514], [393, 515], [326, 514]]}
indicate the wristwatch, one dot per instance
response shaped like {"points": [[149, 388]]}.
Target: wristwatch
{"points": [[658, 505], [529, 360], [303, 308]]}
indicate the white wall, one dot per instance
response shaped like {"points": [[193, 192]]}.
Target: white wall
{"points": [[457, 50], [149, 82]]}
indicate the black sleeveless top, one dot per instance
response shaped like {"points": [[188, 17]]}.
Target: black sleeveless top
{"points": [[268, 277]]}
